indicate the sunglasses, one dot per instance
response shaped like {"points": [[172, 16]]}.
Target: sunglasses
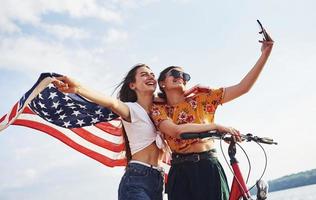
{"points": [[178, 74]]}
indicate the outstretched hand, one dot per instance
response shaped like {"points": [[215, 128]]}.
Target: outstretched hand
{"points": [[66, 84]]}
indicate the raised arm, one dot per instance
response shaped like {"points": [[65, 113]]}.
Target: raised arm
{"points": [[248, 81], [69, 85]]}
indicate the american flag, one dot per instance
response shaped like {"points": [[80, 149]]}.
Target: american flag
{"points": [[84, 126]]}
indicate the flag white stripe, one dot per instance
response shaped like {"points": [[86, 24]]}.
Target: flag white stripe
{"points": [[4, 124], [106, 136], [74, 137]]}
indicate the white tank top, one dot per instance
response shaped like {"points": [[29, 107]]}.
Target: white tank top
{"points": [[141, 131]]}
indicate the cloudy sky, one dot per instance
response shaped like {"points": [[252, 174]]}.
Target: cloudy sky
{"points": [[98, 41]]}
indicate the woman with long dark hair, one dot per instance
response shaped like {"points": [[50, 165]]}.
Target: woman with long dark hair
{"points": [[143, 178], [195, 172]]}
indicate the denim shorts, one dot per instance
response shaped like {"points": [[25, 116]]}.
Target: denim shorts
{"points": [[141, 182]]}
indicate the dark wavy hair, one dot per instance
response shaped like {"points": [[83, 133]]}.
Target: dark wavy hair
{"points": [[162, 77], [126, 94]]}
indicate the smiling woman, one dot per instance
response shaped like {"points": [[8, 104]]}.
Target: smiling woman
{"points": [[143, 178]]}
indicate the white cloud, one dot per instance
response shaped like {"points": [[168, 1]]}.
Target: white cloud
{"points": [[35, 55], [88, 8], [134, 3], [6, 25], [114, 35], [30, 11], [182, 1], [30, 173], [65, 32]]}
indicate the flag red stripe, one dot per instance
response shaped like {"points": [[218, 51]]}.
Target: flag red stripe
{"points": [[27, 110], [2, 119], [91, 137], [97, 140], [109, 128], [60, 136], [13, 111]]}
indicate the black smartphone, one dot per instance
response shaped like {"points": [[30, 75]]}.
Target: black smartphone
{"points": [[263, 32]]}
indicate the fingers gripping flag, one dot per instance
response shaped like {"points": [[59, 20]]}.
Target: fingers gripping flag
{"points": [[84, 126]]}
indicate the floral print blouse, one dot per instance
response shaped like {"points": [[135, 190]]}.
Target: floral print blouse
{"points": [[199, 108]]}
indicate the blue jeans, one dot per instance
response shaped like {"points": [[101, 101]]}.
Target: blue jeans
{"points": [[141, 182]]}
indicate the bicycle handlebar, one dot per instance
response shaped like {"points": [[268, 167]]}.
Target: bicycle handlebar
{"points": [[219, 135]]}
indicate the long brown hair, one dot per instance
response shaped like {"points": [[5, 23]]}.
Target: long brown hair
{"points": [[126, 94]]}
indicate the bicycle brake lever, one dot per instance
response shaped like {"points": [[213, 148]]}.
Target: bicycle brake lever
{"points": [[267, 140]]}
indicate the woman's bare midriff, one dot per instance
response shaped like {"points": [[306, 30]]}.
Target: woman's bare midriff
{"points": [[148, 155], [203, 145]]}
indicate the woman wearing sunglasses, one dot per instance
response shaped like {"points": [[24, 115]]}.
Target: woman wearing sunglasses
{"points": [[195, 172]]}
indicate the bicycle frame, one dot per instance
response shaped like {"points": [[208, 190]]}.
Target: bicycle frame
{"points": [[238, 187]]}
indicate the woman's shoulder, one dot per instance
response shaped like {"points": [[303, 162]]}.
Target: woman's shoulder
{"points": [[208, 92], [197, 95]]}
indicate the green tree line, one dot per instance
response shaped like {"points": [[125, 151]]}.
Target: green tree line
{"points": [[293, 180]]}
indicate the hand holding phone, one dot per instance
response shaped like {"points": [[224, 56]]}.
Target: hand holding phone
{"points": [[267, 41], [266, 37]]}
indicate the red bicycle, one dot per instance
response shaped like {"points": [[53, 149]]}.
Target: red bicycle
{"points": [[239, 189]]}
